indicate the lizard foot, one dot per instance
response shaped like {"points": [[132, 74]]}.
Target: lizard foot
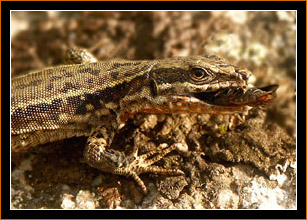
{"points": [[98, 154], [143, 164]]}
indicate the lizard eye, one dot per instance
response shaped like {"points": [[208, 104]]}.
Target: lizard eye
{"points": [[199, 73]]}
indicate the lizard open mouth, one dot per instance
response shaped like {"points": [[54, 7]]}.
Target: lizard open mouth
{"points": [[222, 101], [239, 96]]}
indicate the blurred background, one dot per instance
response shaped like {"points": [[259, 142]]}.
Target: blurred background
{"points": [[236, 169], [264, 42]]}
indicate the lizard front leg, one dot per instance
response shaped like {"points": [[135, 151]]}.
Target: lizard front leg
{"points": [[98, 154]]}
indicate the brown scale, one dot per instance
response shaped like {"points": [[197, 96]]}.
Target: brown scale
{"points": [[95, 99]]}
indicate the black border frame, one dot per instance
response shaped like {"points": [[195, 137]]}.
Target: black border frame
{"points": [[300, 6]]}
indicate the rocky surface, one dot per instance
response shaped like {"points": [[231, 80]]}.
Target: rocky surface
{"points": [[243, 161]]}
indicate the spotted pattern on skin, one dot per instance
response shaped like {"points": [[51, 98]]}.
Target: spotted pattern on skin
{"points": [[70, 95], [114, 74]]}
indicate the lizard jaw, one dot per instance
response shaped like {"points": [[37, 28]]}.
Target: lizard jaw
{"points": [[223, 101], [239, 96]]}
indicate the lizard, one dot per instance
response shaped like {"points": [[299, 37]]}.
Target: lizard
{"points": [[94, 98]]}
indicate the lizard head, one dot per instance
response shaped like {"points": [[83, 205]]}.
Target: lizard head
{"points": [[206, 85]]}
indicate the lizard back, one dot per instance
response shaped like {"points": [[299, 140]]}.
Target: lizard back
{"points": [[66, 97]]}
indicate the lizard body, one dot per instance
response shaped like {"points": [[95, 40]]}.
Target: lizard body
{"points": [[95, 99]]}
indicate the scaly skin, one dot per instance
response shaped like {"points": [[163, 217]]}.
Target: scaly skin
{"points": [[95, 99]]}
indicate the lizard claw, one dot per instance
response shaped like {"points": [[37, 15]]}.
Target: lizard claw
{"points": [[143, 164]]}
